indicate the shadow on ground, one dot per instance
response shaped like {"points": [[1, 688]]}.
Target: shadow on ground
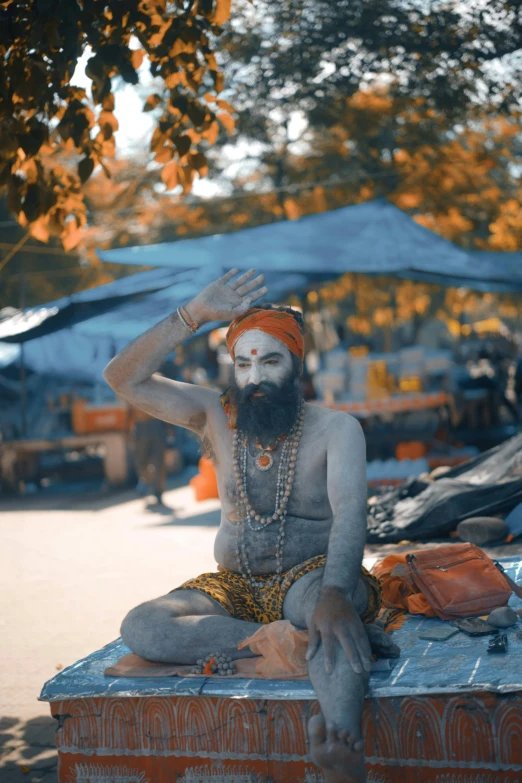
{"points": [[27, 750], [207, 519], [85, 495]]}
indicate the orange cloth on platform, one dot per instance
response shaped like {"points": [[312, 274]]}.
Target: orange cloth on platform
{"points": [[276, 323], [398, 589]]}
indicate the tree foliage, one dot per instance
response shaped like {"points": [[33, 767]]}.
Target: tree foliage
{"points": [[412, 100], [42, 113], [462, 183], [309, 54], [415, 101]]}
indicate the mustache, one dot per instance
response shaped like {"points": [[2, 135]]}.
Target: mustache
{"points": [[267, 387]]}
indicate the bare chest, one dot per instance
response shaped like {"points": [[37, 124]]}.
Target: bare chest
{"points": [[309, 497]]}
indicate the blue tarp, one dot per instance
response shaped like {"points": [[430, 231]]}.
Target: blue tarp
{"points": [[80, 333], [127, 307], [457, 665], [77, 336], [46, 318], [372, 238]]}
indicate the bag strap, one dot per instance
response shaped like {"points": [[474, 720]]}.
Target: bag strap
{"points": [[517, 589]]}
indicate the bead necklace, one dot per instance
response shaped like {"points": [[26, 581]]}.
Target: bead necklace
{"points": [[247, 514], [264, 461]]}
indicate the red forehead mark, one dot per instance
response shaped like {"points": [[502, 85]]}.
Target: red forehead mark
{"points": [[254, 352]]}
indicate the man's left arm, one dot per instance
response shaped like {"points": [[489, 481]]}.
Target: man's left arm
{"points": [[347, 493], [336, 620]]}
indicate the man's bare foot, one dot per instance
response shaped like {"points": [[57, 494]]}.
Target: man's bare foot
{"points": [[338, 754], [380, 642]]}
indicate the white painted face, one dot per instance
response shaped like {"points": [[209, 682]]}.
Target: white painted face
{"points": [[261, 357]]}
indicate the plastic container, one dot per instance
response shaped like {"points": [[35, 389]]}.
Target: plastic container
{"points": [[87, 417]]}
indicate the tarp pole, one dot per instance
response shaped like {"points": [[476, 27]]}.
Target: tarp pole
{"points": [[23, 388]]}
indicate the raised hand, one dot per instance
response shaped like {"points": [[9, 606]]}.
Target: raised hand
{"points": [[226, 299]]}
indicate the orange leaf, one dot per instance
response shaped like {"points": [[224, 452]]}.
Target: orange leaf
{"points": [[227, 122], [209, 97], [179, 46], [172, 80], [193, 135], [151, 102], [291, 209], [186, 178], [108, 102], [169, 175], [108, 148], [226, 105], [71, 235], [221, 12], [158, 139], [164, 155], [219, 80], [108, 118], [137, 58], [30, 170], [212, 133], [40, 229]]}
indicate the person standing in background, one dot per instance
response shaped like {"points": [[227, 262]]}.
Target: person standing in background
{"points": [[149, 447]]}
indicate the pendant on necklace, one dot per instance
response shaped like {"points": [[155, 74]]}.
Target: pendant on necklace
{"points": [[264, 461]]}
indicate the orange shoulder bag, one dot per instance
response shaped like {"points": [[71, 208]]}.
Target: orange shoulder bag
{"points": [[460, 580]]}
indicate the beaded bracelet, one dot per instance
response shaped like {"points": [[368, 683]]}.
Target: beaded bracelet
{"points": [[191, 325], [217, 663]]}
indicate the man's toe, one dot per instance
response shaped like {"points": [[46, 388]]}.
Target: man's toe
{"points": [[317, 730]]}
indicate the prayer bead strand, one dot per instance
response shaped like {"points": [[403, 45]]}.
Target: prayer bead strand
{"points": [[247, 514]]}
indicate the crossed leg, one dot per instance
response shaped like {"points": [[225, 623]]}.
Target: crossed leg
{"points": [[186, 625], [182, 627]]}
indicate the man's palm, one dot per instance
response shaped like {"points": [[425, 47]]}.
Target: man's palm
{"points": [[226, 299]]}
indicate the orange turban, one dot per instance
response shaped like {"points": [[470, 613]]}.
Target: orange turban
{"points": [[277, 323]]}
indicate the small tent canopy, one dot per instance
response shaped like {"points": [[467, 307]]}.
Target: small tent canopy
{"points": [[126, 307], [373, 238], [37, 321], [76, 340]]}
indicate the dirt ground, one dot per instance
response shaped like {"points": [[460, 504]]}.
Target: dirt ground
{"points": [[71, 565]]}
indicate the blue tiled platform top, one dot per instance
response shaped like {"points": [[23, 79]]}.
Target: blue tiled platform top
{"points": [[458, 664]]}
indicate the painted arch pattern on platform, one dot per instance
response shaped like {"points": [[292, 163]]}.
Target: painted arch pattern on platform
{"points": [[465, 738]]}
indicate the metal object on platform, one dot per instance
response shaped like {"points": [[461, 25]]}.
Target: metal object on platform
{"points": [[499, 644]]}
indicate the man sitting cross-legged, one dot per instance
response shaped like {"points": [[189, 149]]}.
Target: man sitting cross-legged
{"points": [[292, 483]]}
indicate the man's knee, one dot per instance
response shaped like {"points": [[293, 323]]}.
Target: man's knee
{"points": [[141, 626], [302, 598]]}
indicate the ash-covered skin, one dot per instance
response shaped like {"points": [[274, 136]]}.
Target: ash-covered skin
{"points": [[326, 515], [309, 513]]}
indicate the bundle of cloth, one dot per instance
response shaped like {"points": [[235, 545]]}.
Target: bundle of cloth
{"points": [[420, 509]]}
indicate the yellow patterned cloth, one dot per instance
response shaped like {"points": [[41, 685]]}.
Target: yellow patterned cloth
{"points": [[265, 605]]}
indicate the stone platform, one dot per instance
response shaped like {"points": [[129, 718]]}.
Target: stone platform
{"points": [[446, 712]]}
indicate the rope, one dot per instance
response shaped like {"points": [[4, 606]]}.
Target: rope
{"points": [[14, 250]]}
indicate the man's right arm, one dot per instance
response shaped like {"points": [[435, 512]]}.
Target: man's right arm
{"points": [[133, 373]]}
